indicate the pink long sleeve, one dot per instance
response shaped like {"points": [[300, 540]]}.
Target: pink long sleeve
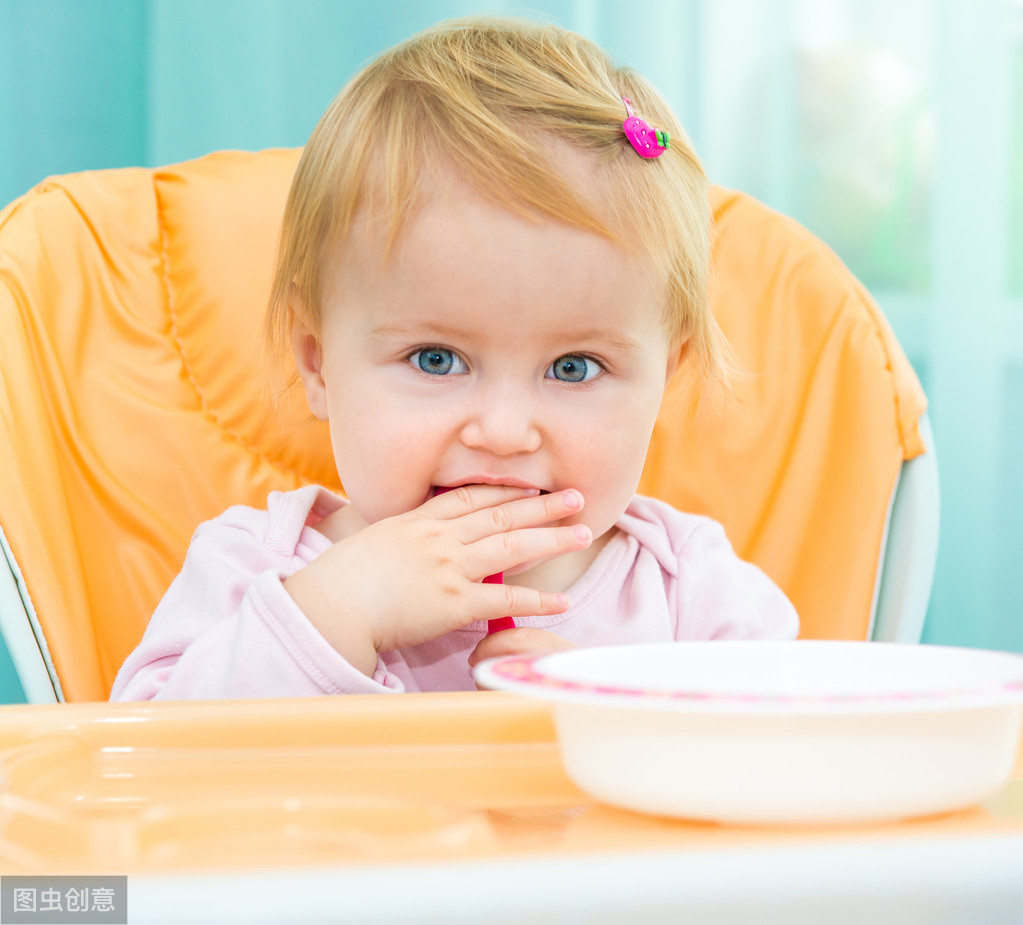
{"points": [[227, 627]]}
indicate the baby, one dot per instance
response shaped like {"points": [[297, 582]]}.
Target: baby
{"points": [[493, 259]]}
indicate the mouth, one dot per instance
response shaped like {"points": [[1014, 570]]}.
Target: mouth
{"points": [[511, 483]]}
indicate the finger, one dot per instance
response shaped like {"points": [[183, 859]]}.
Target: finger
{"points": [[519, 514], [520, 641], [488, 602], [507, 550], [448, 503]]}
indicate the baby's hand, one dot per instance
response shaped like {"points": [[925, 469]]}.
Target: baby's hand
{"points": [[413, 577]]}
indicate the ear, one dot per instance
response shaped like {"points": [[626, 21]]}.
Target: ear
{"points": [[675, 357], [308, 350]]}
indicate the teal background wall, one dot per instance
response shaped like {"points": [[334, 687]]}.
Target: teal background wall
{"points": [[894, 130]]}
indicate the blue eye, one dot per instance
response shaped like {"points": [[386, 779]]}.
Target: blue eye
{"points": [[573, 368], [437, 361]]}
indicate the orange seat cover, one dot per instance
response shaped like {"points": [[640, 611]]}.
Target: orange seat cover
{"points": [[131, 382]]}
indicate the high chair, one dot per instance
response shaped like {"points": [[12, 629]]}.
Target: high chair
{"points": [[131, 378]]}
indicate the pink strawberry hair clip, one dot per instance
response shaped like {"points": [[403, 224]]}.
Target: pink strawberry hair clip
{"points": [[648, 141]]}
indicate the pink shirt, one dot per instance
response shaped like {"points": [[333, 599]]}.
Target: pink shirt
{"points": [[227, 627]]}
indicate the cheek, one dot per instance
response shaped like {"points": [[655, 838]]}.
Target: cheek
{"points": [[622, 449], [364, 416], [615, 434], [605, 461], [384, 457]]}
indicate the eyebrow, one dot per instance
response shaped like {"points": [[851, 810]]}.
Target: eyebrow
{"points": [[598, 337], [414, 329], [605, 337]]}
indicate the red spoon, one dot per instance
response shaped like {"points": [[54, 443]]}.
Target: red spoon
{"points": [[499, 623]]}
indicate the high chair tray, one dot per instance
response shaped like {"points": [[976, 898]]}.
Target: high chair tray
{"points": [[357, 787]]}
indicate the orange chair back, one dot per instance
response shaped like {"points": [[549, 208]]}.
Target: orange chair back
{"points": [[131, 304]]}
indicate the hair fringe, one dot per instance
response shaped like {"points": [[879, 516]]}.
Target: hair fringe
{"points": [[494, 98]]}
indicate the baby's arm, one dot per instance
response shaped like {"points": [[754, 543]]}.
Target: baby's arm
{"points": [[721, 596], [227, 628], [407, 579]]}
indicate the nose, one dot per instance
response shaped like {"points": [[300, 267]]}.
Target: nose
{"points": [[503, 422]]}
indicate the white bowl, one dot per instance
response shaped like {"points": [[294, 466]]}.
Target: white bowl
{"points": [[779, 732]]}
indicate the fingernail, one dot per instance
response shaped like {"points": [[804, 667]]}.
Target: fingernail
{"points": [[573, 500], [582, 532], [532, 492]]}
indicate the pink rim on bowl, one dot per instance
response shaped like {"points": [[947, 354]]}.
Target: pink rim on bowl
{"points": [[526, 674]]}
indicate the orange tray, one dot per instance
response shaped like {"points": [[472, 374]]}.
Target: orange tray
{"points": [[307, 783]]}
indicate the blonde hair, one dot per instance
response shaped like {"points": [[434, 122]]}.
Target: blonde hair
{"points": [[494, 99]]}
